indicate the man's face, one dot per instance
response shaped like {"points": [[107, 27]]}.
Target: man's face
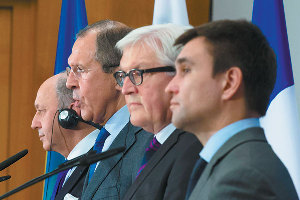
{"points": [[148, 103], [94, 91], [43, 120], [196, 93]]}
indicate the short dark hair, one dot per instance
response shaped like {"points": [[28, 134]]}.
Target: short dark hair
{"points": [[242, 44], [108, 34]]}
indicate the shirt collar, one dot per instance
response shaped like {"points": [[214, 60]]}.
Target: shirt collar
{"points": [[84, 145], [163, 135], [220, 137], [118, 121]]}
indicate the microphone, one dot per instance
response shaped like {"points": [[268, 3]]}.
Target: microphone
{"points": [[69, 119], [85, 159], [13, 159], [4, 178]]}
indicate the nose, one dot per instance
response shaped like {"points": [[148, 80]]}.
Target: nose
{"points": [[72, 82], [128, 87], [172, 87], [35, 124]]}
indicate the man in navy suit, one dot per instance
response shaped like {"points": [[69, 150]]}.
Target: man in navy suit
{"points": [[52, 96], [147, 66]]}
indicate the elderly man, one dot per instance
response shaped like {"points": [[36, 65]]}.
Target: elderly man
{"points": [[51, 96], [92, 63], [225, 75], [147, 67]]}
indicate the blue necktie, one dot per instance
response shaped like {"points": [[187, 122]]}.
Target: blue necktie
{"points": [[59, 183], [195, 175], [153, 147], [98, 148]]}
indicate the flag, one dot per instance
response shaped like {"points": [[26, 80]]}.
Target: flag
{"points": [[72, 19], [170, 11], [281, 122]]}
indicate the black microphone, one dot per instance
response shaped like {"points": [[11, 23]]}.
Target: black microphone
{"points": [[85, 159], [69, 119], [4, 178], [13, 159]]}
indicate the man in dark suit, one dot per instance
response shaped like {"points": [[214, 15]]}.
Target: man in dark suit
{"points": [[92, 63], [148, 61], [51, 96], [226, 72]]}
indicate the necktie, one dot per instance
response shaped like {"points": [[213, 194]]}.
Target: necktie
{"points": [[196, 173], [98, 148], [59, 183], [153, 147]]}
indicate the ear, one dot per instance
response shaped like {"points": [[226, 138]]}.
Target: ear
{"points": [[232, 82]]}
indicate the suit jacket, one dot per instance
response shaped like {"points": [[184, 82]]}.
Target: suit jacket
{"points": [[114, 175], [245, 167], [167, 173], [74, 184]]}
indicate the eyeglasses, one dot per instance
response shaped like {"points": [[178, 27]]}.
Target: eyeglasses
{"points": [[136, 75], [78, 72]]}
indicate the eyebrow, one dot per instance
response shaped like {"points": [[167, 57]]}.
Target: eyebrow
{"points": [[183, 60]]}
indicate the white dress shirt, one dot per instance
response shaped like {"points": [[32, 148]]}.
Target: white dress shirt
{"points": [[114, 126], [165, 133], [81, 148]]}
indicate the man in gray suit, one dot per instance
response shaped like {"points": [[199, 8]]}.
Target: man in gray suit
{"points": [[92, 62], [225, 75], [148, 61]]}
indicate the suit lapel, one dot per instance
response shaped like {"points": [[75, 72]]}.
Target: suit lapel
{"points": [[248, 135], [73, 180], [126, 137], [161, 152]]}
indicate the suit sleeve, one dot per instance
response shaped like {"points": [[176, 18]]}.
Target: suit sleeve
{"points": [[181, 171]]}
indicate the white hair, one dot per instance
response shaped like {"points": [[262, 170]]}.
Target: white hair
{"points": [[159, 37]]}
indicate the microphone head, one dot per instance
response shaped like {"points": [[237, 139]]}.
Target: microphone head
{"points": [[68, 118]]}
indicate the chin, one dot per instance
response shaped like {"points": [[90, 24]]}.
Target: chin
{"points": [[46, 147], [137, 121]]}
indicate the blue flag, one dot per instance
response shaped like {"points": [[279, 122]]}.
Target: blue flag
{"points": [[281, 122], [72, 19]]}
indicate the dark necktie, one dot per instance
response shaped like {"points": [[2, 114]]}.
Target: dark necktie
{"points": [[59, 183], [153, 147], [98, 148], [196, 173]]}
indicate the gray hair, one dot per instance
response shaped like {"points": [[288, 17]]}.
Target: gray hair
{"points": [[109, 33], [64, 95], [159, 37]]}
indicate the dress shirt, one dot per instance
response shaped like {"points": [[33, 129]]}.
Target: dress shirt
{"points": [[163, 135], [220, 137], [81, 148], [114, 126]]}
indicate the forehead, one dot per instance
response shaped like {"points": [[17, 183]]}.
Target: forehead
{"points": [[85, 46], [195, 48], [46, 96], [138, 56]]}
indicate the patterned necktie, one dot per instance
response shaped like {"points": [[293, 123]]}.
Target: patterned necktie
{"points": [[196, 173], [153, 147], [59, 183], [98, 148]]}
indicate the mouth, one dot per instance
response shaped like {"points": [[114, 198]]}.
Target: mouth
{"points": [[76, 105], [173, 104], [41, 137]]}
